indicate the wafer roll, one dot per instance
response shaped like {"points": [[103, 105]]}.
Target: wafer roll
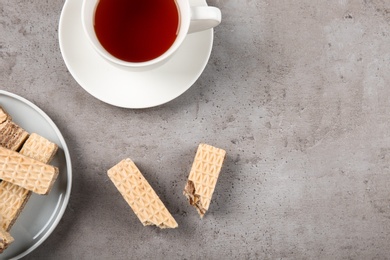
{"points": [[39, 148], [5, 239], [12, 200], [203, 177], [26, 172], [141, 197], [12, 136], [13, 197]]}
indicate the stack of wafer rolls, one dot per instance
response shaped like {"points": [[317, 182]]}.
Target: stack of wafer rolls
{"points": [[24, 169]]}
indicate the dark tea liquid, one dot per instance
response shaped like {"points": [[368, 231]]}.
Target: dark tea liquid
{"points": [[136, 30]]}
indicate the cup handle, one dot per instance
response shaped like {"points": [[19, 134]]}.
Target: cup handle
{"points": [[203, 18]]}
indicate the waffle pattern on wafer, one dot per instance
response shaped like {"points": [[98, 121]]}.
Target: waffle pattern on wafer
{"points": [[203, 177], [13, 197], [5, 239], [141, 197], [12, 136], [12, 200], [39, 148], [26, 172]]}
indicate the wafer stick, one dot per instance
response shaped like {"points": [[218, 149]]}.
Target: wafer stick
{"points": [[39, 148], [26, 172], [5, 239], [13, 197], [203, 177], [12, 136], [141, 197]]}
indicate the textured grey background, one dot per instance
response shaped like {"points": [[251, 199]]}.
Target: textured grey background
{"points": [[298, 94]]}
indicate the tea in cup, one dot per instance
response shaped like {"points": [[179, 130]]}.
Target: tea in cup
{"points": [[143, 33]]}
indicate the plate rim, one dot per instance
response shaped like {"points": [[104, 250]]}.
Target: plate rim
{"points": [[65, 149]]}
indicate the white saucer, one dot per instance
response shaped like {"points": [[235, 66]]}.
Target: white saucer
{"points": [[122, 87]]}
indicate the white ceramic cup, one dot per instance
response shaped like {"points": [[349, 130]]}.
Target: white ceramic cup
{"points": [[191, 19]]}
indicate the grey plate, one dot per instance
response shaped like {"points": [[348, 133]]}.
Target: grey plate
{"points": [[42, 212]]}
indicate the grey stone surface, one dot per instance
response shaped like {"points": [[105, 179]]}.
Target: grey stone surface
{"points": [[297, 92]]}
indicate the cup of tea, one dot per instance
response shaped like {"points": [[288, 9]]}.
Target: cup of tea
{"points": [[143, 33]]}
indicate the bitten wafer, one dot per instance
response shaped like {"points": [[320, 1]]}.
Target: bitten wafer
{"points": [[5, 239], [12, 136], [141, 197], [203, 177], [26, 172]]}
